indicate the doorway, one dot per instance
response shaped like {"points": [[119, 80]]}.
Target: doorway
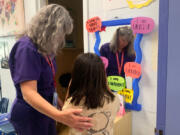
{"points": [[74, 44], [74, 41]]}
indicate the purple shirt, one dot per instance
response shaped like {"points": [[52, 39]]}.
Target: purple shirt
{"points": [[112, 68], [27, 64]]}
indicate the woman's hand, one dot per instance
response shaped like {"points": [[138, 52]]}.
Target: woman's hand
{"points": [[73, 118]]}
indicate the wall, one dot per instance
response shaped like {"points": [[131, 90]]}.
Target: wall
{"points": [[173, 73], [8, 90], [31, 7], [144, 122]]}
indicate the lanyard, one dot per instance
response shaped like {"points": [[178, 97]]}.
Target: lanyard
{"points": [[49, 61], [122, 60]]}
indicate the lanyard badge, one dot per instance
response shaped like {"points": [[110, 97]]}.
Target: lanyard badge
{"points": [[117, 83], [49, 61], [55, 96], [122, 61]]}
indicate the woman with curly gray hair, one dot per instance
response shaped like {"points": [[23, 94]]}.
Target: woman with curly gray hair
{"points": [[33, 68], [119, 51]]}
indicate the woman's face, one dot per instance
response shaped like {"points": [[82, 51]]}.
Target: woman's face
{"points": [[122, 42]]}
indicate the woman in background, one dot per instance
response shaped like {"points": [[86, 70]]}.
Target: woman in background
{"points": [[33, 68], [119, 51]]}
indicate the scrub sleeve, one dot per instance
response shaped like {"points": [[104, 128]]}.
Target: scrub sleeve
{"points": [[27, 64]]}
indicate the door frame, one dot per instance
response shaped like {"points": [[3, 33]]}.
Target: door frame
{"points": [[85, 32], [162, 65]]}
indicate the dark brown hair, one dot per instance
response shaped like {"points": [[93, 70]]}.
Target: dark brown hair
{"points": [[89, 82]]}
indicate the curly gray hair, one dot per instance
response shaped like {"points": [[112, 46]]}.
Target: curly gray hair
{"points": [[126, 33], [48, 28]]}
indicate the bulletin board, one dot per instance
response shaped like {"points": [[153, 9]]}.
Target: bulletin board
{"points": [[11, 16]]}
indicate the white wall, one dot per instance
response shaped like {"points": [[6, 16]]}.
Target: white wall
{"points": [[144, 122], [8, 90], [31, 7], [7, 87]]}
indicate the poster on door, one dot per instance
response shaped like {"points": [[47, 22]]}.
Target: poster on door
{"points": [[11, 17]]}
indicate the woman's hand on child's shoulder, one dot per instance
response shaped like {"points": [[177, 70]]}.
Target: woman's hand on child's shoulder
{"points": [[73, 119]]}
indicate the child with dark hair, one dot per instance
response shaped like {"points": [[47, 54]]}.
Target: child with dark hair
{"points": [[89, 91]]}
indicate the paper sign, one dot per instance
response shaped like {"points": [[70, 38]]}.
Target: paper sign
{"points": [[132, 69], [138, 3], [128, 94], [94, 24], [105, 61], [142, 25], [116, 83]]}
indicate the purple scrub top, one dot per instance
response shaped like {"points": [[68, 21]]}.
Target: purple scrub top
{"points": [[27, 64], [112, 68]]}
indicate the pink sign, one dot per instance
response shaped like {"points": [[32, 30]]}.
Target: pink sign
{"points": [[142, 25], [105, 61]]}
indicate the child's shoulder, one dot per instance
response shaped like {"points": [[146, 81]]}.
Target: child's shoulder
{"points": [[118, 98], [107, 104], [69, 105]]}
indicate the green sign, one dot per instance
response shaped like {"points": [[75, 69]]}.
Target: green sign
{"points": [[116, 83]]}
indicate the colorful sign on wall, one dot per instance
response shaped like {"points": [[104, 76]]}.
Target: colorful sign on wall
{"points": [[116, 83], [138, 3], [128, 95], [11, 16]]}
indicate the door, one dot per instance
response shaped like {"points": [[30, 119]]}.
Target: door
{"points": [[143, 122]]}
